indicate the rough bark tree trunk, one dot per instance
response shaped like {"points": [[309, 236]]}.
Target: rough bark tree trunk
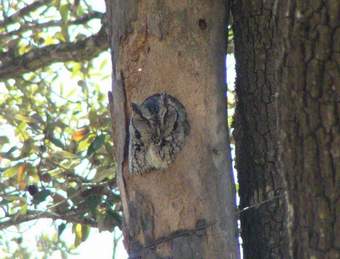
{"points": [[178, 47], [289, 58], [309, 124], [263, 226]]}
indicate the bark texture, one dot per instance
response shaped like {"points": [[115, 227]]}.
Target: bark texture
{"points": [[263, 227], [288, 130], [309, 125], [178, 47]]}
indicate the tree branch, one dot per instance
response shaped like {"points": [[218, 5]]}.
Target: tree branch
{"points": [[12, 67], [33, 26], [35, 214], [22, 12]]}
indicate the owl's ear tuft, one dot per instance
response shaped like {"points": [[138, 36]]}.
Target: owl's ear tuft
{"points": [[138, 120], [136, 109]]}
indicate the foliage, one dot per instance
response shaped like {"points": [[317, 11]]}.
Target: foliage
{"points": [[55, 130]]}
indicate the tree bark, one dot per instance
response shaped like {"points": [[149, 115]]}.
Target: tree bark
{"points": [[309, 126], [260, 183], [291, 51], [178, 47]]}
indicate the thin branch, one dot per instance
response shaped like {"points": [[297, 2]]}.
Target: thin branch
{"points": [[12, 67], [257, 205], [35, 214], [34, 26], [22, 12]]}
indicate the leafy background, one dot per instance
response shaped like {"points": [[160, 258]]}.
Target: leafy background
{"points": [[56, 158]]}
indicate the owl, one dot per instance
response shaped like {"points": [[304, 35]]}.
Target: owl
{"points": [[157, 131]]}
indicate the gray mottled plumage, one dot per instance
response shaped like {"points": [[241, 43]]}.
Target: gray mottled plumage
{"points": [[158, 128]]}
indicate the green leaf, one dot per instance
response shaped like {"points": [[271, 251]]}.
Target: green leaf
{"points": [[92, 201], [115, 198], [57, 142], [61, 228], [82, 232], [41, 196], [116, 216], [4, 202], [10, 172], [64, 11], [102, 174], [24, 208], [95, 145], [3, 140]]}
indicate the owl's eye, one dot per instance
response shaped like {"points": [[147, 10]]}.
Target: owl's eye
{"points": [[137, 134], [137, 148], [157, 140], [163, 142], [175, 125]]}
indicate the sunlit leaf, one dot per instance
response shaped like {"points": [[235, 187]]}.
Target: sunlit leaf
{"points": [[64, 11], [24, 48], [84, 145], [10, 172], [22, 117], [81, 233], [21, 131], [103, 64], [103, 174], [51, 40], [80, 134], [24, 208], [65, 154], [21, 176], [33, 173]]}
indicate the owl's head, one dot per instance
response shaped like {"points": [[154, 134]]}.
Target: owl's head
{"points": [[158, 128], [155, 119]]}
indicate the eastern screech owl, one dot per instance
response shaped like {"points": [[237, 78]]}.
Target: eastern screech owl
{"points": [[158, 128]]}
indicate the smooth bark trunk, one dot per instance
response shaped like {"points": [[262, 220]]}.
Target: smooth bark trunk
{"points": [[177, 47]]}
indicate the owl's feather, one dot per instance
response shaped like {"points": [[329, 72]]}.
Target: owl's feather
{"points": [[158, 128]]}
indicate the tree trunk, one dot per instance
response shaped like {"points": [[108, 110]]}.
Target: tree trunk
{"points": [[260, 183], [309, 126], [293, 54], [177, 47]]}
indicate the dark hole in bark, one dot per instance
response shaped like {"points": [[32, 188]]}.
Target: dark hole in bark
{"points": [[202, 24]]}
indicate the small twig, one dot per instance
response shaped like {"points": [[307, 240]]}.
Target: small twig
{"points": [[33, 26], [24, 11], [13, 67], [256, 205], [34, 215]]}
